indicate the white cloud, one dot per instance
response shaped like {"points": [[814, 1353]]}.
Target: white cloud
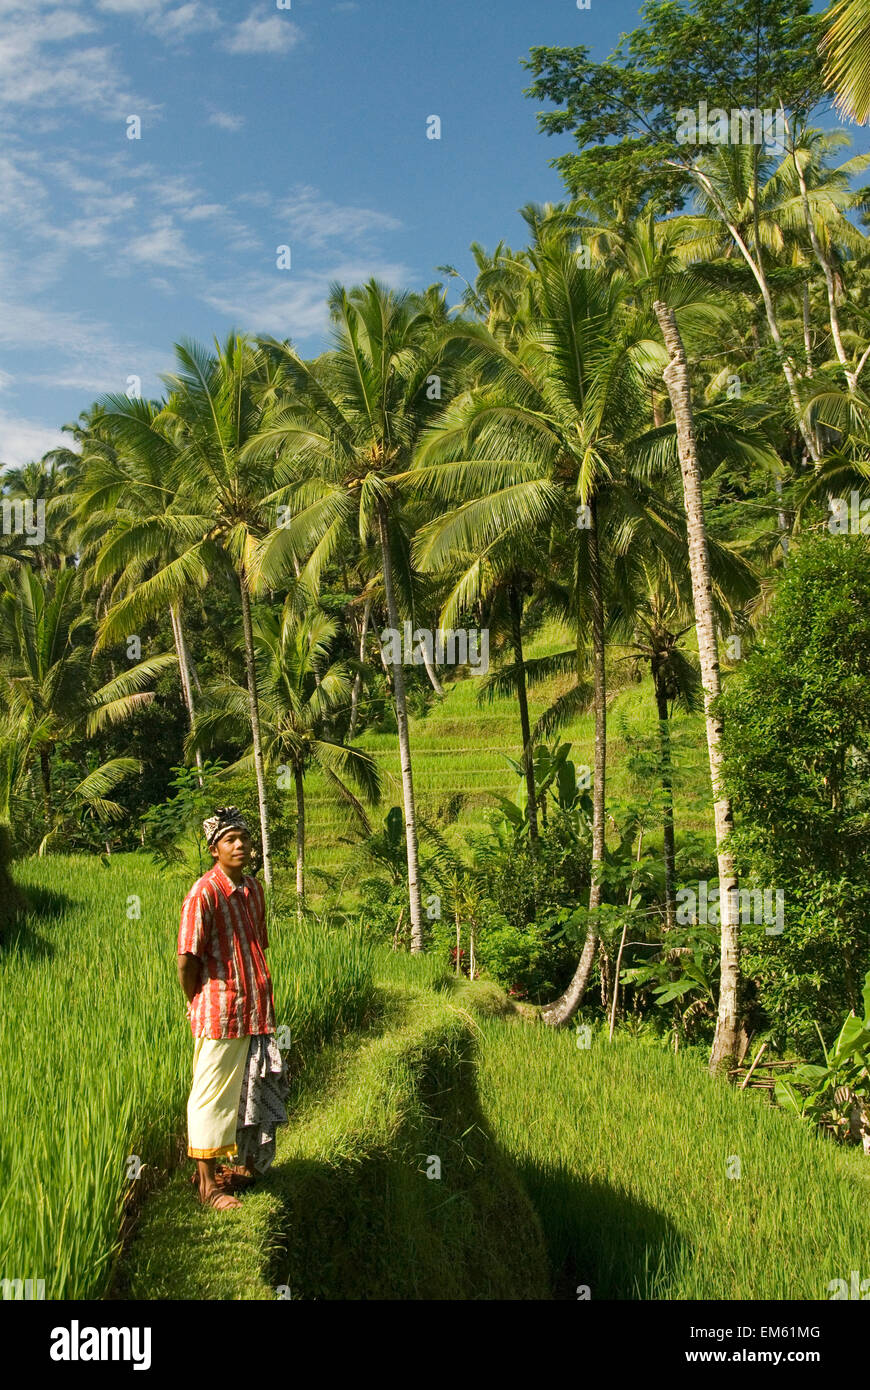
{"points": [[39, 68], [295, 307], [187, 19], [163, 245], [318, 220], [225, 120], [256, 35], [24, 440], [161, 18]]}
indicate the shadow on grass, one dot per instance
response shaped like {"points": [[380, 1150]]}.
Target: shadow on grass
{"points": [[35, 907], [600, 1237]]}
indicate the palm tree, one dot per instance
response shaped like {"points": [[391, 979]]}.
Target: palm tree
{"points": [[224, 499], [346, 428], [660, 623], [846, 49], [124, 520], [676, 376], [301, 692], [45, 638], [550, 427], [741, 194], [821, 198], [561, 418]]}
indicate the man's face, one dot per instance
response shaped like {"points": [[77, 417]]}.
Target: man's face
{"points": [[233, 850]]}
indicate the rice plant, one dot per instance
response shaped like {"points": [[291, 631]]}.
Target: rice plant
{"points": [[653, 1180], [97, 1054]]}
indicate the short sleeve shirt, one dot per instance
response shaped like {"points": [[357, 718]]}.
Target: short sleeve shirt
{"points": [[224, 925]]}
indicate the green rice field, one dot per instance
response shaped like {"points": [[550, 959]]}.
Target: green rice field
{"points": [[97, 1054]]}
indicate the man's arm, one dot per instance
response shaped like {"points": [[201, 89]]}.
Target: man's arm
{"points": [[189, 974], [192, 934]]}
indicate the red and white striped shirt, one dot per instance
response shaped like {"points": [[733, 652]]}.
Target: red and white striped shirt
{"points": [[225, 926]]}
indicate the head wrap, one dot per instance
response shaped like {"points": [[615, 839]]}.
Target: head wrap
{"points": [[225, 818]]}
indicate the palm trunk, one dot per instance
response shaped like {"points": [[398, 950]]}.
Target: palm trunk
{"points": [[357, 680], [415, 904], [668, 845], [761, 280], [781, 518], [45, 769], [563, 1009], [431, 672], [808, 329], [676, 376], [827, 271], [184, 670], [300, 841], [516, 609], [254, 707]]}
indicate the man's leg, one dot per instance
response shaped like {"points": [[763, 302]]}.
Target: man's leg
{"points": [[212, 1109]]}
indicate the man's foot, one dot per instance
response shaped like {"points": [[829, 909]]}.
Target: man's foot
{"points": [[234, 1176], [218, 1198]]}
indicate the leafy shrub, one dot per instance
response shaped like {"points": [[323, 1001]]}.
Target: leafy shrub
{"points": [[797, 755]]}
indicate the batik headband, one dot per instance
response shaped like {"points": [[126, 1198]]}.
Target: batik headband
{"points": [[225, 818]]}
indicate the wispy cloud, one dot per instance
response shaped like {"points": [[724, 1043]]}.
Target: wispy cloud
{"points": [[22, 440], [225, 120], [318, 221], [41, 65], [257, 35], [287, 306], [163, 245]]}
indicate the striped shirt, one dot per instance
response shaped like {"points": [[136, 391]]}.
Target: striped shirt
{"points": [[225, 926]]}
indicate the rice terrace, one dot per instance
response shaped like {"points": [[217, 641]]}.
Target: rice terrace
{"points": [[435, 736]]}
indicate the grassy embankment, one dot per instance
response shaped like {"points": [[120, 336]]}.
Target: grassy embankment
{"points": [[386, 1184], [97, 1055]]}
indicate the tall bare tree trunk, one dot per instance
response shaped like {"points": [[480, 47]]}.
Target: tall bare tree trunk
{"points": [[415, 904], [668, 844], [357, 680], [184, 669], [300, 841], [254, 707], [824, 263], [430, 671], [563, 1008], [516, 610], [676, 377], [757, 268]]}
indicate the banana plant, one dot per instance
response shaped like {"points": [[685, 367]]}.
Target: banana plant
{"points": [[836, 1096], [556, 774]]}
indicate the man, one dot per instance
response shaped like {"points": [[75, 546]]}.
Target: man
{"points": [[240, 1084]]}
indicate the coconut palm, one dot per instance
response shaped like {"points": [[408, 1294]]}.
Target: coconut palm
{"points": [[345, 430], [846, 50], [224, 496], [45, 633], [301, 693], [676, 376], [556, 441], [124, 526]]}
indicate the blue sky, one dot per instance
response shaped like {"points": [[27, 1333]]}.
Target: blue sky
{"points": [[261, 126]]}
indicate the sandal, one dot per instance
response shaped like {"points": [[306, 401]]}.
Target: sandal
{"points": [[218, 1177], [221, 1201]]}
